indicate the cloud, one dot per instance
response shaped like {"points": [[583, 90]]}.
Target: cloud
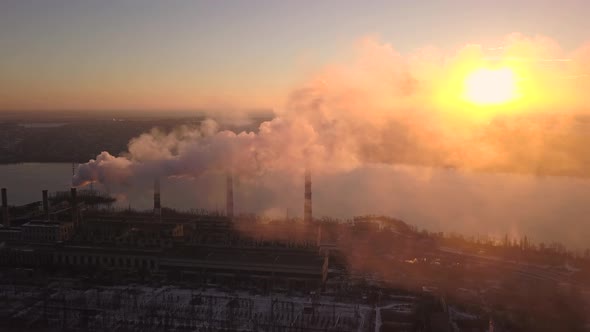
{"points": [[383, 107]]}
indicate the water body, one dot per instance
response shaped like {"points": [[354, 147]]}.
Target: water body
{"points": [[43, 124], [543, 208]]}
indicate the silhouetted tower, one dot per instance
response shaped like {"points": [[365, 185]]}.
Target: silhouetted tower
{"points": [[157, 203], [229, 196], [5, 219], [74, 205], [74, 168], [45, 204], [307, 216]]}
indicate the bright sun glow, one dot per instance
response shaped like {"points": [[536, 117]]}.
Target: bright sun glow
{"points": [[490, 86]]}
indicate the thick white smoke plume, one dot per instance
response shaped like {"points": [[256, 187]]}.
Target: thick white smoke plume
{"points": [[387, 108]]}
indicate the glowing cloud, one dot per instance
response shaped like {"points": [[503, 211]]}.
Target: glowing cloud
{"points": [[387, 108]]}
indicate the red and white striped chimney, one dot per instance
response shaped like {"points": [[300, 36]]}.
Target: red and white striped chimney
{"points": [[307, 216], [229, 196], [157, 203], [5, 217], [45, 204], [74, 205]]}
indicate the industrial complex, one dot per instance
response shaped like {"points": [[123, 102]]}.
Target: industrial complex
{"points": [[72, 263]]}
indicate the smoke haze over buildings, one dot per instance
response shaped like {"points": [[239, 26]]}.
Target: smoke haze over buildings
{"points": [[385, 109]]}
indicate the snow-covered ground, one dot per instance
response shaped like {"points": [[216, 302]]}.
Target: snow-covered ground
{"points": [[402, 305], [172, 308]]}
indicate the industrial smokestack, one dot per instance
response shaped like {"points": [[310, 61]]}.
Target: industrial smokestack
{"points": [[45, 204], [157, 203], [307, 217], [74, 198], [5, 220], [229, 196]]}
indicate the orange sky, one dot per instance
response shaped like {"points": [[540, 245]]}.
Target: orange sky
{"points": [[206, 54], [546, 77]]}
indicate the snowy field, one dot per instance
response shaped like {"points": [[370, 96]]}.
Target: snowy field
{"points": [[141, 308]]}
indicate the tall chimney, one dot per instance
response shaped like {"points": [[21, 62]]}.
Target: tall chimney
{"points": [[307, 217], [157, 203], [74, 198], [229, 196], [5, 220], [45, 204]]}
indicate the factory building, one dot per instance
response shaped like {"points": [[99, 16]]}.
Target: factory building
{"points": [[207, 249], [133, 232], [46, 226], [252, 267], [106, 258], [46, 231]]}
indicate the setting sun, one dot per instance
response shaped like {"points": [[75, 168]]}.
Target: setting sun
{"points": [[490, 86]]}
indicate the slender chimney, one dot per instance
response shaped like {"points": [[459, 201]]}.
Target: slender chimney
{"points": [[307, 217], [74, 198], [5, 220], [45, 204], [229, 196], [157, 203]]}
